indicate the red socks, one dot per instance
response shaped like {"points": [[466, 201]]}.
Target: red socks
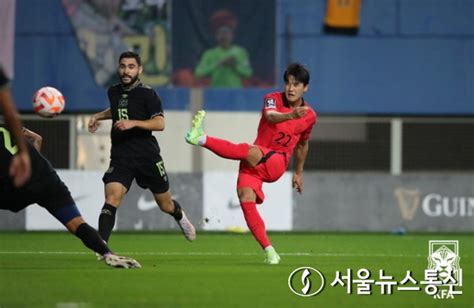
{"points": [[255, 223], [230, 150], [227, 149]]}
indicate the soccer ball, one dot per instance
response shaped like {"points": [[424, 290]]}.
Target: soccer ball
{"points": [[48, 102]]}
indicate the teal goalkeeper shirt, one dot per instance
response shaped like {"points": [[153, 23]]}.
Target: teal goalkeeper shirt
{"points": [[224, 76]]}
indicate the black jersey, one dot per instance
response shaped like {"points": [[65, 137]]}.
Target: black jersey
{"points": [[7, 144], [5, 141], [43, 187], [3, 78], [39, 164], [137, 103]]}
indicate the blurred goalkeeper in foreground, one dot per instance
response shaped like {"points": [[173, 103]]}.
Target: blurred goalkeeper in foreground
{"points": [[26, 177]]}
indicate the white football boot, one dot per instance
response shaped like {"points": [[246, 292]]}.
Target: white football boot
{"points": [[121, 262], [187, 228]]}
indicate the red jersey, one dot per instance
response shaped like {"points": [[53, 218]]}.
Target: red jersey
{"points": [[283, 136]]}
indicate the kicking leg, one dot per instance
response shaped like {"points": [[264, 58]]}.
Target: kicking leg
{"points": [[221, 147], [195, 135]]}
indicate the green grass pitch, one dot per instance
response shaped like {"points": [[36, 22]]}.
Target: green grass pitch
{"points": [[41, 269]]}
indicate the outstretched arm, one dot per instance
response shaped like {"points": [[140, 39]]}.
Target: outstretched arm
{"points": [[301, 151], [275, 117], [35, 138], [94, 120]]}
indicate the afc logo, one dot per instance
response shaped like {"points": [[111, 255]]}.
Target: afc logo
{"points": [[270, 103]]}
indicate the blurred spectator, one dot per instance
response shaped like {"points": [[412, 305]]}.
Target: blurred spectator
{"points": [[226, 64], [342, 17]]}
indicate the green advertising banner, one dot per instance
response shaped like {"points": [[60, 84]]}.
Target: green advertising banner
{"points": [[106, 28]]}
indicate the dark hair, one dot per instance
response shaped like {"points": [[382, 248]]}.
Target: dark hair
{"points": [[131, 54], [298, 71]]}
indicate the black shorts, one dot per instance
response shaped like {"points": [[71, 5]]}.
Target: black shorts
{"points": [[149, 174], [44, 188]]}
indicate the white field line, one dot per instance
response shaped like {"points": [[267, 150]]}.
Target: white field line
{"points": [[204, 253]]}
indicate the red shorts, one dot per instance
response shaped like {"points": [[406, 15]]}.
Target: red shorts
{"points": [[270, 169]]}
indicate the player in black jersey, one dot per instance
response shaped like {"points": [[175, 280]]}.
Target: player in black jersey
{"points": [[136, 111], [40, 183], [20, 166]]}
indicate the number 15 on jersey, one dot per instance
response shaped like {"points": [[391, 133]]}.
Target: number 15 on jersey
{"points": [[122, 114]]}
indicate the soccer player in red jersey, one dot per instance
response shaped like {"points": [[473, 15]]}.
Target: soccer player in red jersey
{"points": [[284, 128]]}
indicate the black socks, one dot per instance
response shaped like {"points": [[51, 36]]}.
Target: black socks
{"points": [[178, 213], [107, 221], [91, 239]]}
